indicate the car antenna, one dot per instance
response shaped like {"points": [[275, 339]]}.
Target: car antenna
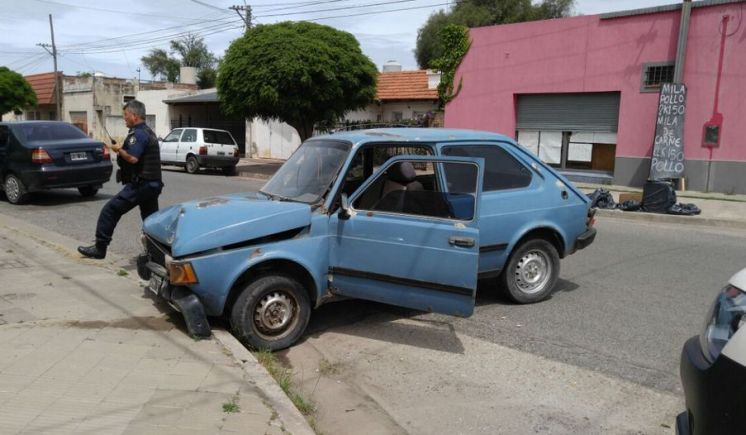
{"points": [[113, 142]]}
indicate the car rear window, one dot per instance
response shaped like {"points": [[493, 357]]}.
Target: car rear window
{"points": [[221, 137], [52, 131]]}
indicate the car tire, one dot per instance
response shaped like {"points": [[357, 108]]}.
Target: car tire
{"points": [[531, 272], [15, 191], [88, 191], [192, 165], [271, 313], [229, 170]]}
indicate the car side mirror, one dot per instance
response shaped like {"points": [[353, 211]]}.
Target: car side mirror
{"points": [[344, 209]]}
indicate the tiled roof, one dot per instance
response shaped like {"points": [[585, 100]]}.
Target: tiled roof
{"points": [[405, 85], [43, 85]]}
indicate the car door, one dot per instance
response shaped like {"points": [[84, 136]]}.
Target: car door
{"points": [[417, 245], [4, 142], [169, 145], [187, 145]]}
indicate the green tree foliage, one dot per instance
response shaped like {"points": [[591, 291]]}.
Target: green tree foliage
{"points": [[160, 64], [15, 92], [455, 40], [192, 51], [302, 73], [476, 13]]}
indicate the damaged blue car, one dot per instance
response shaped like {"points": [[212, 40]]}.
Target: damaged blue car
{"points": [[408, 217]]}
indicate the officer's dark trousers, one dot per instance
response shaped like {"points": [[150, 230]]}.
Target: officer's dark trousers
{"points": [[143, 195]]}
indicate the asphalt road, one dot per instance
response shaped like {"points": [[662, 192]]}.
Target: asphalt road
{"points": [[623, 307]]}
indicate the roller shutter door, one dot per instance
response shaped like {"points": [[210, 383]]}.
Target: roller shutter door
{"points": [[569, 112]]}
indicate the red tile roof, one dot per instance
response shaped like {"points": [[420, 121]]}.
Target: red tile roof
{"points": [[405, 85], [43, 85]]}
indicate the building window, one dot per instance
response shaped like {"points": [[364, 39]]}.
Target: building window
{"points": [[655, 74], [397, 116]]}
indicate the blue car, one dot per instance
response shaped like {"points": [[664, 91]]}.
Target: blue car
{"points": [[408, 217]]}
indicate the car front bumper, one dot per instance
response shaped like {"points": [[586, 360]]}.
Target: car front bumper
{"points": [[53, 177], [180, 298], [715, 394]]}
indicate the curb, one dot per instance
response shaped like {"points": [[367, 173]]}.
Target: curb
{"points": [[673, 219], [276, 398], [294, 421]]}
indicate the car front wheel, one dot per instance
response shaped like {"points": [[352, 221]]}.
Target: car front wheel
{"points": [[532, 272], [192, 165], [271, 313], [15, 191]]}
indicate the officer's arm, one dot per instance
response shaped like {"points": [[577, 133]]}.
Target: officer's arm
{"points": [[117, 149]]}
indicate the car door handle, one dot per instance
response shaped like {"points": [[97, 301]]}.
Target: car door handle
{"points": [[465, 242]]}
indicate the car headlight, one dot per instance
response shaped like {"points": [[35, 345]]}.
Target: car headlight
{"points": [[181, 272], [723, 320]]}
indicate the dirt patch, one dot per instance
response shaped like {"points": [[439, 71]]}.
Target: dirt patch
{"points": [[151, 323]]}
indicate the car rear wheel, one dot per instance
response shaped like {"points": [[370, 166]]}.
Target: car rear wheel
{"points": [[15, 191], [192, 165], [271, 313], [88, 191], [532, 272]]}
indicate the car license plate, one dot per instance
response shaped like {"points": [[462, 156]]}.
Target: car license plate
{"points": [[78, 156], [221, 153], [155, 283]]}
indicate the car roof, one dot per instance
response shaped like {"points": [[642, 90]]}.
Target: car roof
{"points": [[10, 123], [388, 135], [200, 128]]}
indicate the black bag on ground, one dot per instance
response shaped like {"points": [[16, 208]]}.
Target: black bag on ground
{"points": [[601, 198], [684, 209], [629, 205], [658, 196]]}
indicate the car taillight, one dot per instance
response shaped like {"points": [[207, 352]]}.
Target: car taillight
{"points": [[107, 156], [235, 152], [203, 150], [590, 219], [40, 156]]}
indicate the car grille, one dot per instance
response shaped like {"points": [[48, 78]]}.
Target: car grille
{"points": [[157, 251]]}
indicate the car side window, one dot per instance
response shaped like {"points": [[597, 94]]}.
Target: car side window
{"points": [[4, 137], [501, 170], [402, 193], [190, 135], [173, 136], [367, 160]]}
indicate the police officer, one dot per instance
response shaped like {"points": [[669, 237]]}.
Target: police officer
{"points": [[139, 160]]}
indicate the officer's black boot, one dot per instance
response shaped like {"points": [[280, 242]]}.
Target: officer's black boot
{"points": [[97, 251]]}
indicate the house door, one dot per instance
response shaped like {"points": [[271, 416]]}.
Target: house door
{"points": [[417, 244]]}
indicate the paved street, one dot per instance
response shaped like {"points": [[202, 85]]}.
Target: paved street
{"points": [[610, 336]]}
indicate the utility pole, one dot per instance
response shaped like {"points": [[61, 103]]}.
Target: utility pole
{"points": [[57, 84], [247, 18]]}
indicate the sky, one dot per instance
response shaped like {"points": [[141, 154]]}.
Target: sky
{"points": [[111, 37]]}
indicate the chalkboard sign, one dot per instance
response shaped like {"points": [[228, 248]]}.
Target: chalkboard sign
{"points": [[668, 147]]}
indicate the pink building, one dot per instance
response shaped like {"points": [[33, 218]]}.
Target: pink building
{"points": [[582, 92]]}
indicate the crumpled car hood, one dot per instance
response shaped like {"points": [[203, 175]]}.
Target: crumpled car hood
{"points": [[210, 223]]}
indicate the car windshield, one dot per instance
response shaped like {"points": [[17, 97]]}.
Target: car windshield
{"points": [[34, 132], [216, 136], [309, 172]]}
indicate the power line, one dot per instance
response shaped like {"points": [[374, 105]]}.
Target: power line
{"points": [[116, 11], [336, 9], [207, 5], [386, 11]]}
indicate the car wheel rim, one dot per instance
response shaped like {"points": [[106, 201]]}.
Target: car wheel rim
{"points": [[532, 272], [12, 189], [191, 166], [275, 315]]}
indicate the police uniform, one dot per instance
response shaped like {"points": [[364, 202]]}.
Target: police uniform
{"points": [[142, 183]]}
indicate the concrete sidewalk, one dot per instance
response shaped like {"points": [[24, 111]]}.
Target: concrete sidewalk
{"points": [[718, 209], [85, 350]]}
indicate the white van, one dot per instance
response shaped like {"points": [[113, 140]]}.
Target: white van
{"points": [[195, 148]]}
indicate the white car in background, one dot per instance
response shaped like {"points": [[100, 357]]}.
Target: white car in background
{"points": [[195, 148]]}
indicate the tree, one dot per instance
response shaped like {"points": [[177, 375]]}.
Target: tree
{"points": [[15, 92], [476, 13], [192, 51], [302, 73], [159, 63]]}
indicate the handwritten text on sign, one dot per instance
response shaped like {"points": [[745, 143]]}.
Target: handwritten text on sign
{"points": [[668, 147]]}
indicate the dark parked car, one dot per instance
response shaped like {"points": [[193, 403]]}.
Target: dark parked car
{"points": [[713, 367], [39, 155]]}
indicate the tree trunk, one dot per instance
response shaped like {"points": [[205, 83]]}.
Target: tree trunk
{"points": [[303, 128]]}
